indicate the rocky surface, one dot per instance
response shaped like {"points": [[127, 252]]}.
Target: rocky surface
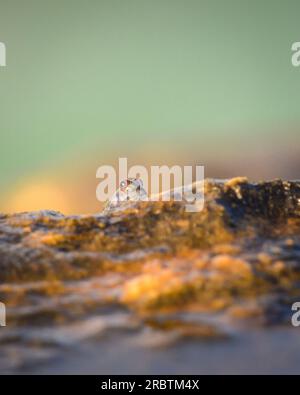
{"points": [[150, 271]]}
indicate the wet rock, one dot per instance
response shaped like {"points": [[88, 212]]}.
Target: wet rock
{"points": [[153, 258]]}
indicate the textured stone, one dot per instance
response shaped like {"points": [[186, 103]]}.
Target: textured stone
{"points": [[239, 257]]}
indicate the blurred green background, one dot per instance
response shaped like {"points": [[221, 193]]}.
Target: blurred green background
{"points": [[161, 82]]}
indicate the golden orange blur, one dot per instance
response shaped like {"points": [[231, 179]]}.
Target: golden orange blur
{"points": [[37, 195]]}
